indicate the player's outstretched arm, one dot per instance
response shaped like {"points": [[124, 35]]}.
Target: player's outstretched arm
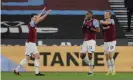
{"points": [[42, 17], [40, 14]]}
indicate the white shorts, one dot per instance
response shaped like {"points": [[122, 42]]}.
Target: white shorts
{"points": [[109, 46], [88, 46], [30, 48]]}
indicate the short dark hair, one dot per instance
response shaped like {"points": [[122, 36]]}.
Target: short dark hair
{"points": [[89, 11]]}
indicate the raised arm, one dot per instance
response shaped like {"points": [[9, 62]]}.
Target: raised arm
{"points": [[42, 17], [40, 14]]}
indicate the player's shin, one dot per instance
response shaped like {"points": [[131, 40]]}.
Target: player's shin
{"points": [[36, 63], [83, 57], [86, 61], [109, 65], [91, 64], [22, 63], [112, 62], [108, 62]]}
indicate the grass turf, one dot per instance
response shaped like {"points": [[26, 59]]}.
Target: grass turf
{"points": [[65, 76]]}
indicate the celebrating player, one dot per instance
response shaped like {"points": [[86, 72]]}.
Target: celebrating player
{"points": [[109, 40], [90, 28], [30, 45]]}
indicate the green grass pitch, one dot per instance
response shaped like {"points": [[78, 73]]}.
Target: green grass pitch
{"points": [[65, 76]]}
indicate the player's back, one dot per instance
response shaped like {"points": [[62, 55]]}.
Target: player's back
{"points": [[109, 32]]}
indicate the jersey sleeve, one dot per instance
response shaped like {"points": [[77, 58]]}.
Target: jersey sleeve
{"points": [[96, 23], [32, 23]]}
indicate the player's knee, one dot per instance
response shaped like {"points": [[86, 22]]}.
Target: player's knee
{"points": [[107, 52], [107, 57], [110, 57], [90, 56], [27, 58], [82, 55], [36, 56]]}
